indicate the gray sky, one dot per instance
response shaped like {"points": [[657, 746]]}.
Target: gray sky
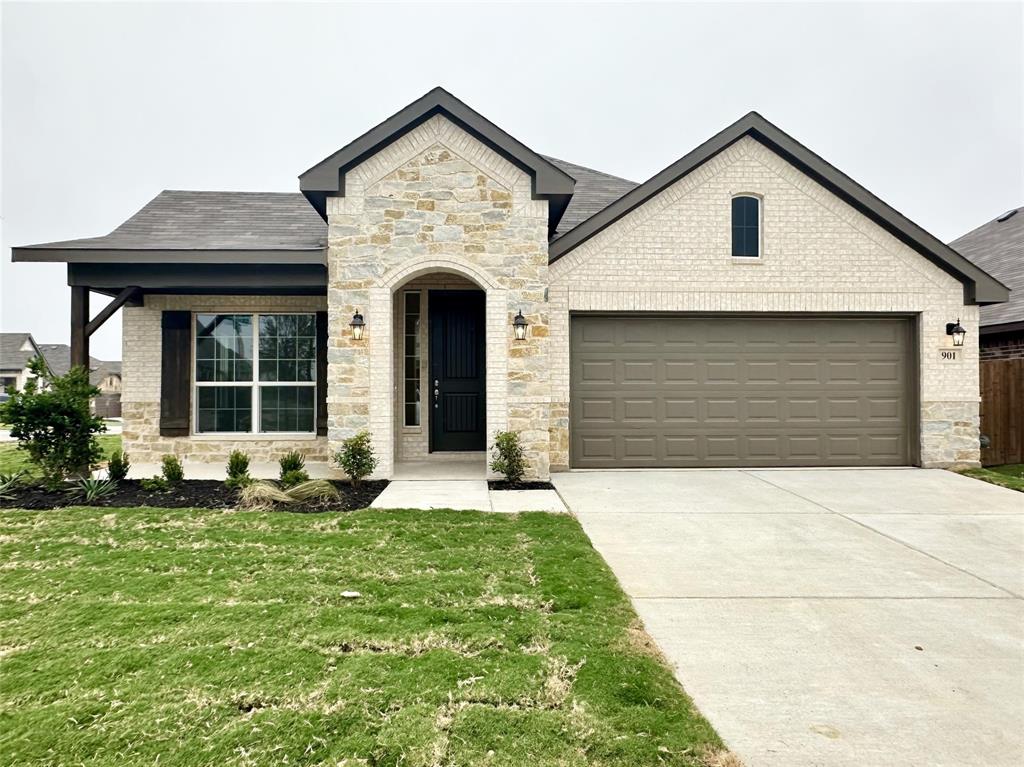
{"points": [[105, 105]]}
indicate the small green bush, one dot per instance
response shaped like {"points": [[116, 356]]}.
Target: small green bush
{"points": [[356, 457], [155, 485], [93, 490], [508, 458], [238, 470], [52, 422], [118, 466], [292, 461], [171, 469], [293, 477]]}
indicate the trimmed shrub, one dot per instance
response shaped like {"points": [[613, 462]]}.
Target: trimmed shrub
{"points": [[155, 485], [118, 466], [356, 457], [52, 422], [293, 478], [508, 458], [238, 469], [171, 469]]}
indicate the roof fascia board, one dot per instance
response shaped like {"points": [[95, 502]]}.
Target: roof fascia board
{"points": [[979, 287], [1005, 327], [547, 181], [151, 256], [200, 278]]}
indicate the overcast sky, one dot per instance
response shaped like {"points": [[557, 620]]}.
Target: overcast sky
{"points": [[106, 105]]}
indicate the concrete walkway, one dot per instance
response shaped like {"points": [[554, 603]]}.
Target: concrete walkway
{"points": [[464, 495], [828, 617]]}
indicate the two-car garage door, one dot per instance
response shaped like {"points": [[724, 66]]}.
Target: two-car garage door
{"points": [[740, 391]]}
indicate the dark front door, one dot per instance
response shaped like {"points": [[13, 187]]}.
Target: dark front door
{"points": [[457, 400]]}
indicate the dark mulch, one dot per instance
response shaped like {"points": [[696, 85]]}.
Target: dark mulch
{"points": [[192, 493], [501, 484]]}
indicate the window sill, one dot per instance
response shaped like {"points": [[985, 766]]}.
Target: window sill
{"points": [[229, 436], [746, 259]]}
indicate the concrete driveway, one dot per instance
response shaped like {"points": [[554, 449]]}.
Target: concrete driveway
{"points": [[828, 617]]}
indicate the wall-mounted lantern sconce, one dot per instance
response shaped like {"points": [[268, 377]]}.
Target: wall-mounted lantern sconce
{"points": [[956, 330], [357, 326], [519, 325]]}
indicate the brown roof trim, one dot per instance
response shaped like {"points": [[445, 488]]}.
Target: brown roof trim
{"points": [[1005, 327], [327, 178], [154, 256], [979, 286]]}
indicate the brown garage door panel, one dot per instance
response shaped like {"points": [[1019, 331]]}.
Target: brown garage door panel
{"points": [[740, 392]]}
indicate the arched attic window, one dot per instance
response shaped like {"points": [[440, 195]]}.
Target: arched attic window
{"points": [[746, 226]]}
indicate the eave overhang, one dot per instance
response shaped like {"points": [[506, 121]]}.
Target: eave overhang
{"points": [[979, 286], [168, 256], [327, 178]]}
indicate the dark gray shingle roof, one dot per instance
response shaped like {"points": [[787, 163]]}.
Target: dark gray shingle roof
{"points": [[998, 248], [594, 191], [58, 359], [185, 220], [11, 355]]}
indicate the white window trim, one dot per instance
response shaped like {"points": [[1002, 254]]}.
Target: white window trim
{"points": [[407, 427], [759, 258], [255, 384]]}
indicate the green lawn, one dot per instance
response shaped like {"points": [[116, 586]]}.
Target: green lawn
{"points": [[12, 459], [150, 636], [1008, 475]]}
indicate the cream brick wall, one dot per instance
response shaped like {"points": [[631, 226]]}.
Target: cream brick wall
{"points": [[140, 395], [437, 201], [673, 254]]}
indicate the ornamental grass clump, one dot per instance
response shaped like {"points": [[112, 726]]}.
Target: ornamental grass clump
{"points": [[265, 495], [356, 457], [92, 489], [53, 423], [508, 458]]}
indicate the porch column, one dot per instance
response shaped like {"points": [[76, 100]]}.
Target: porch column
{"points": [[79, 321], [380, 312]]}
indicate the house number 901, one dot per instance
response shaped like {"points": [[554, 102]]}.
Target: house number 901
{"points": [[949, 355]]}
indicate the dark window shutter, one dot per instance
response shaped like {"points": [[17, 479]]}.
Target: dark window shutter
{"points": [[321, 373], [175, 374]]}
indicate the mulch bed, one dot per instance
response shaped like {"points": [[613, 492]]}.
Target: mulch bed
{"points": [[191, 493], [501, 484]]}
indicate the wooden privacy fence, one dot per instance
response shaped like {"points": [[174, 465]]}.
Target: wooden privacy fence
{"points": [[1002, 411]]}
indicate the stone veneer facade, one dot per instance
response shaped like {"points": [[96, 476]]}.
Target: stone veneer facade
{"points": [[437, 208], [437, 201]]}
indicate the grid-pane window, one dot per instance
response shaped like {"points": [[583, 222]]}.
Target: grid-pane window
{"points": [[255, 373], [412, 358], [746, 226]]}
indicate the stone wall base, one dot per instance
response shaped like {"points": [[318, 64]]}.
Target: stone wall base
{"points": [[950, 433], [141, 439]]}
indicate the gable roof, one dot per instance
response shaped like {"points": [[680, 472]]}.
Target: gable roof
{"points": [[327, 177], [58, 360], [13, 356], [998, 248], [979, 287], [594, 191], [178, 225]]}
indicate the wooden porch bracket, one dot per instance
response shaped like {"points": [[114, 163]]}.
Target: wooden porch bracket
{"points": [[82, 327]]}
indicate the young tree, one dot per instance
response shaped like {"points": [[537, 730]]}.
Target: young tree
{"points": [[53, 423]]}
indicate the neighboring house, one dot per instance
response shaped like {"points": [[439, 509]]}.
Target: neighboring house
{"points": [[749, 305], [16, 349], [998, 248], [102, 374]]}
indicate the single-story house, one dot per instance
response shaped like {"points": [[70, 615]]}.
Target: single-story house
{"points": [[103, 374], [998, 248], [16, 349], [436, 281]]}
